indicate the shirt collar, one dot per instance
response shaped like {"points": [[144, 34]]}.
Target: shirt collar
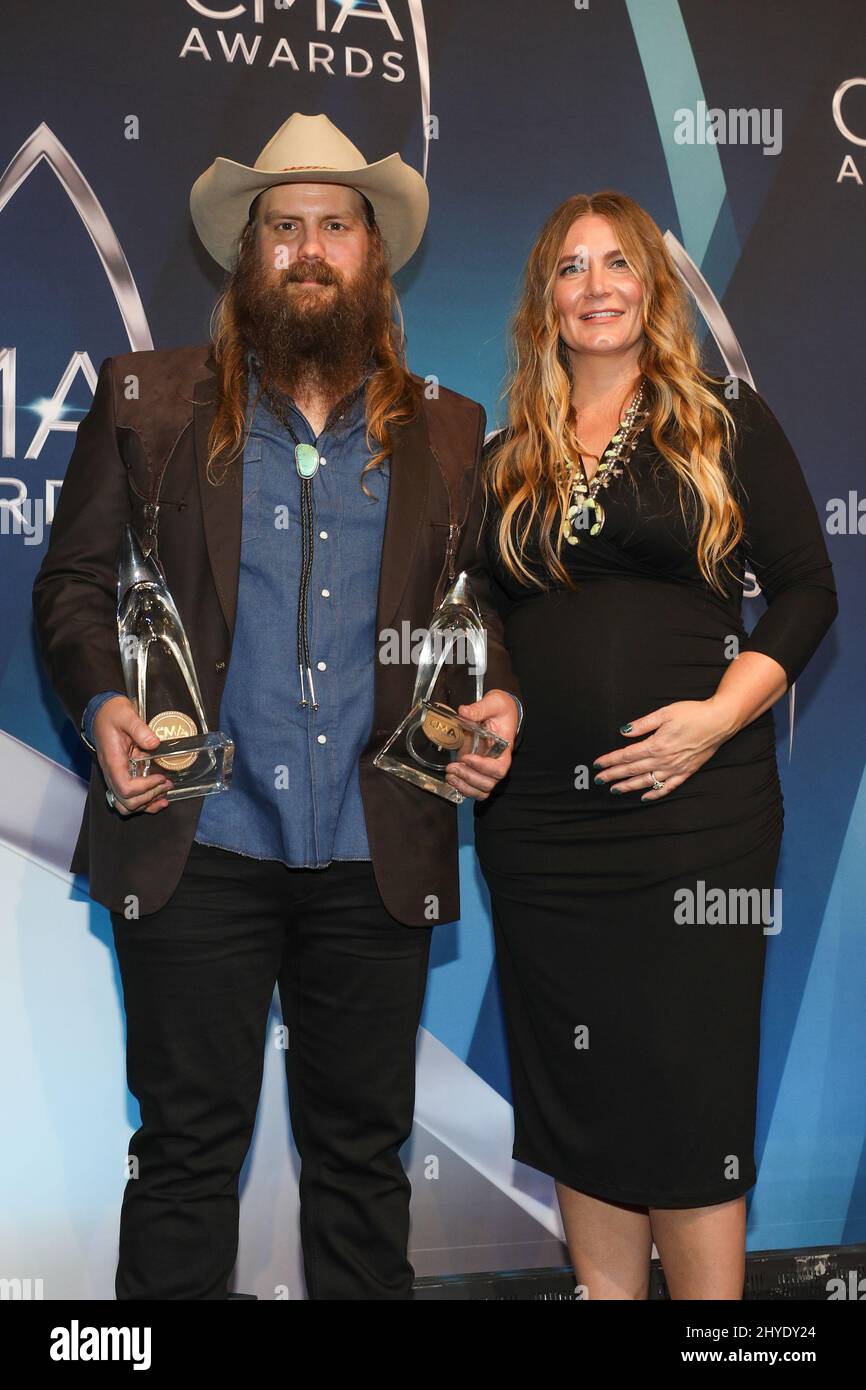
{"points": [[357, 407]]}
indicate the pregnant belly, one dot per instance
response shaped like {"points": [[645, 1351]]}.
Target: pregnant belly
{"points": [[592, 660], [589, 662]]}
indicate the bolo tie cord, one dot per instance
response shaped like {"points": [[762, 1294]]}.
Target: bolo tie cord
{"points": [[307, 543], [306, 465], [307, 461]]}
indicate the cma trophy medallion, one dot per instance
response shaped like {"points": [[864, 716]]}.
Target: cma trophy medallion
{"points": [[161, 680], [450, 673]]}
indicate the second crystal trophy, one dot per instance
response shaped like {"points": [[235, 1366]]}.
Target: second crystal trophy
{"points": [[450, 673], [161, 681]]}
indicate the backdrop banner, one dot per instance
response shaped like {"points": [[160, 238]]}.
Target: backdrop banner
{"points": [[742, 129]]}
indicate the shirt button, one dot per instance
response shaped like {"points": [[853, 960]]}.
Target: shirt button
{"points": [[326, 593], [322, 665], [323, 535], [321, 739], [323, 461]]}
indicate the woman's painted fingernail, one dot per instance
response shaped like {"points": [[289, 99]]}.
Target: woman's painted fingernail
{"points": [[616, 790], [624, 728], [599, 779]]}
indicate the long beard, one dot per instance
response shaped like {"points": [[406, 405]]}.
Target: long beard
{"points": [[310, 341]]}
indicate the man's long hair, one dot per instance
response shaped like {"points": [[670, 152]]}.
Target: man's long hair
{"points": [[391, 394], [689, 422]]}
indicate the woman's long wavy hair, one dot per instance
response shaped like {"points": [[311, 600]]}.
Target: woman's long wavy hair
{"points": [[391, 396], [689, 422]]}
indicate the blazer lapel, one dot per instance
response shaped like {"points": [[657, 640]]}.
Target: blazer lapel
{"points": [[220, 504], [408, 490]]}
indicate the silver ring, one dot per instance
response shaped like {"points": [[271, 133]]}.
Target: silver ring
{"points": [[110, 798], [657, 785]]}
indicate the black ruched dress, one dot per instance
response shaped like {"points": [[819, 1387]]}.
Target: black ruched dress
{"points": [[633, 1033]]}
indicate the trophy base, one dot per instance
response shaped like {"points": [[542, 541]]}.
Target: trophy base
{"points": [[196, 766], [429, 739]]}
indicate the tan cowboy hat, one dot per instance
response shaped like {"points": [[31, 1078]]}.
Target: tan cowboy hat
{"points": [[309, 149]]}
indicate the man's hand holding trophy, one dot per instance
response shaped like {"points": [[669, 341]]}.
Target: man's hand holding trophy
{"points": [[161, 727], [455, 741]]}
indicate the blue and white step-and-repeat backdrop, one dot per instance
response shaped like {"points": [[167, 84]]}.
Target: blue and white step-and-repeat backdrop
{"points": [[742, 128]]}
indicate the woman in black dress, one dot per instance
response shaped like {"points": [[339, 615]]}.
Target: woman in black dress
{"points": [[632, 849]]}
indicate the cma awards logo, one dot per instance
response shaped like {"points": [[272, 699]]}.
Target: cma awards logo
{"points": [[327, 38], [328, 53], [842, 115], [21, 512]]}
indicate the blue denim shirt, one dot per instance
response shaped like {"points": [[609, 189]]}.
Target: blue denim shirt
{"points": [[295, 794]]}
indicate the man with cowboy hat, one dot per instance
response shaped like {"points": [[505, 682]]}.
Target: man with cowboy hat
{"points": [[316, 872]]}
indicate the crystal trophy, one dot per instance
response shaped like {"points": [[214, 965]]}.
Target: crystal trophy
{"points": [[161, 681], [451, 669]]}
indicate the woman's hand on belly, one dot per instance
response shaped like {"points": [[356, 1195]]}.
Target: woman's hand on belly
{"points": [[671, 743]]}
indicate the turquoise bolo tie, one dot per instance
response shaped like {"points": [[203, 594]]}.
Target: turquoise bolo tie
{"points": [[307, 463], [307, 460]]}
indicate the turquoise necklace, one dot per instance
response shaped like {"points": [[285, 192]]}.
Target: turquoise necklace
{"points": [[584, 511]]}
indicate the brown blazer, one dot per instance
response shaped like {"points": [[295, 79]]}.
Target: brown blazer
{"points": [[122, 446]]}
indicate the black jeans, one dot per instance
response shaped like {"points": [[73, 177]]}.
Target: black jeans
{"points": [[198, 979]]}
